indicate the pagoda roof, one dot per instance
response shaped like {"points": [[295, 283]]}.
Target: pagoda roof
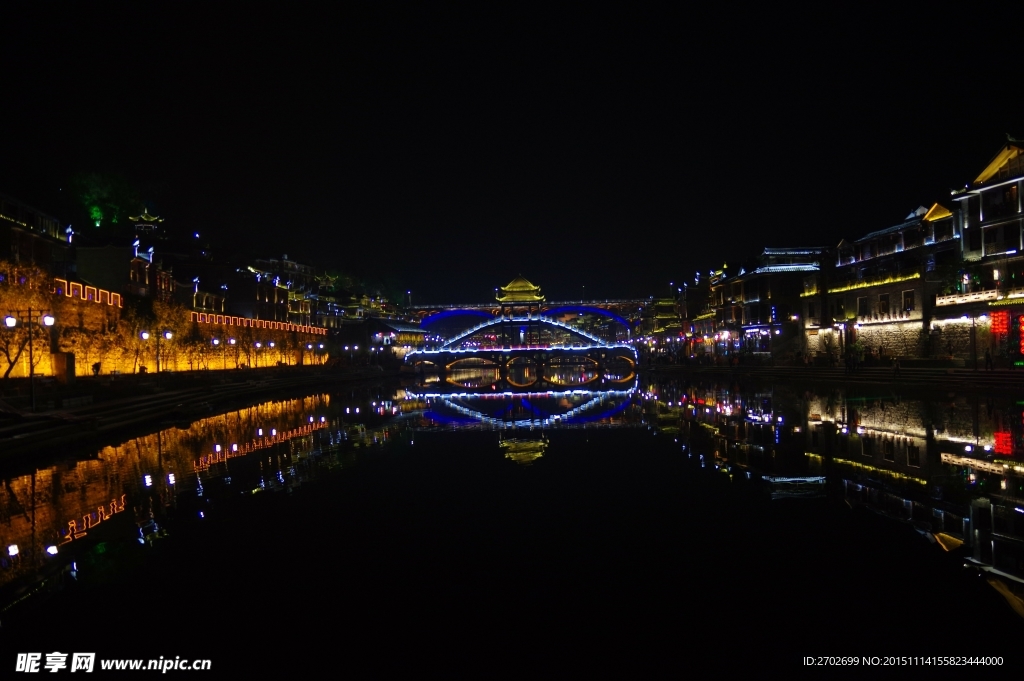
{"points": [[146, 217], [1010, 150], [520, 290]]}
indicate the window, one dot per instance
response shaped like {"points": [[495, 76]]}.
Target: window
{"points": [[974, 240], [839, 305], [883, 303], [1011, 235], [862, 307], [913, 455], [810, 310], [869, 446], [990, 235], [889, 450], [908, 301]]}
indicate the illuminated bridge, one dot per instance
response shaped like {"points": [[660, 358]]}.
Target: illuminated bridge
{"points": [[523, 348], [611, 319]]}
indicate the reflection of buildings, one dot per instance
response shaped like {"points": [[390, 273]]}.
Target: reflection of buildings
{"points": [[524, 451], [953, 469], [73, 501]]}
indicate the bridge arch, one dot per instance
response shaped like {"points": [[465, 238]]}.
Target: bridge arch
{"points": [[456, 340]]}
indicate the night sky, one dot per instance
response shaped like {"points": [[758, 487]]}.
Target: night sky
{"points": [[451, 150]]}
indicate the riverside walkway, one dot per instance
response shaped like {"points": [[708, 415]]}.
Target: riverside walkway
{"points": [[23, 432]]}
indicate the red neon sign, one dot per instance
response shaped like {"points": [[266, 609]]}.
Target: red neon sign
{"points": [[1000, 322], [1004, 442]]}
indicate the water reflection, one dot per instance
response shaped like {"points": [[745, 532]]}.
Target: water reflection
{"points": [[133, 488], [524, 450], [951, 466], [520, 407]]}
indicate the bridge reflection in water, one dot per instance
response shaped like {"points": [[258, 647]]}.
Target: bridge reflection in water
{"points": [[522, 408]]}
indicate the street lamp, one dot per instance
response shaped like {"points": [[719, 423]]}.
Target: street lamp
{"points": [[166, 335], [29, 319], [257, 353], [223, 352]]}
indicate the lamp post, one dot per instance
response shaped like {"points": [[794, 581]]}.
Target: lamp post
{"points": [[166, 335], [256, 354], [223, 353], [28, 318]]}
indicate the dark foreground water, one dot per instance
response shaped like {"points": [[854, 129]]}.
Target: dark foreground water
{"points": [[369, 530]]}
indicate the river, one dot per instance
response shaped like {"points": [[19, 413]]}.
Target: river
{"points": [[449, 526]]}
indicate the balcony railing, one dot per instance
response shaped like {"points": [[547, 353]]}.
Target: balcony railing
{"points": [[958, 298]]}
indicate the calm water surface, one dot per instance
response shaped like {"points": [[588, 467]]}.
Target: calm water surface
{"points": [[447, 523]]}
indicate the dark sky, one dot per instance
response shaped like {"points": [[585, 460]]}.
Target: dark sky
{"points": [[452, 150]]}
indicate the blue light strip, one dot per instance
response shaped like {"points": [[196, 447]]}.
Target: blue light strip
{"points": [[617, 346], [521, 320], [571, 414]]}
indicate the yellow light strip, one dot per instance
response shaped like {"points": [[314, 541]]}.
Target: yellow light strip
{"points": [[17, 222], [875, 469], [879, 282]]}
